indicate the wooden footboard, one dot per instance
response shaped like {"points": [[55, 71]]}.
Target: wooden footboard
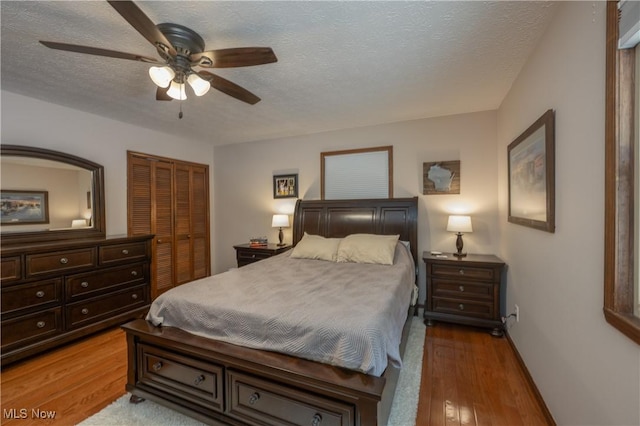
{"points": [[221, 383]]}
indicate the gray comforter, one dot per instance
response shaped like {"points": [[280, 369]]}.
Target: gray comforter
{"points": [[345, 314]]}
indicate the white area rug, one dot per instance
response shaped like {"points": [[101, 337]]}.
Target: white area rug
{"points": [[403, 410]]}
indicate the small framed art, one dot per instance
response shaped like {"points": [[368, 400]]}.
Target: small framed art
{"points": [[285, 186], [23, 207], [532, 175]]}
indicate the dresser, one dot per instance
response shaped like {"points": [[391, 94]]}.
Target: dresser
{"points": [[55, 292], [465, 290], [246, 254]]}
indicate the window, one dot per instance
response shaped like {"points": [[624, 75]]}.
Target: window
{"points": [[621, 234]]}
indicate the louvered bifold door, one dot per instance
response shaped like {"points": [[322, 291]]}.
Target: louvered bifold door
{"points": [[199, 221], [150, 211]]}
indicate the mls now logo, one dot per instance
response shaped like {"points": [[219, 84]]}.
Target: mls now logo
{"points": [[23, 413]]}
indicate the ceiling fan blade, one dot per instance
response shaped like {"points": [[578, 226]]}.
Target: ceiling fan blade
{"points": [[143, 24], [235, 57], [161, 94], [231, 89], [98, 51]]}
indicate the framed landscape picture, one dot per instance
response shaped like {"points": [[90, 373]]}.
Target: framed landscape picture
{"points": [[23, 207], [532, 175]]}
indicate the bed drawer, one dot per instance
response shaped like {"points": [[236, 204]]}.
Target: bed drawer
{"points": [[122, 252], [464, 307], [34, 295], [468, 272], [462, 289], [256, 401], [46, 263], [91, 310], [94, 283], [193, 380], [29, 328]]}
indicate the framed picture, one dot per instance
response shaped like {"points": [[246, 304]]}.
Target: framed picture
{"points": [[442, 177], [532, 175], [285, 186], [23, 207]]}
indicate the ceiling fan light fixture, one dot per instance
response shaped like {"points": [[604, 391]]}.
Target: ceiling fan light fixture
{"points": [[176, 91], [161, 76], [199, 85]]}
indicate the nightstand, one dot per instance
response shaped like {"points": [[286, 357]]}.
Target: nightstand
{"points": [[465, 290], [245, 254]]}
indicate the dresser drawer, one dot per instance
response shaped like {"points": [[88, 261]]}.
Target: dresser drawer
{"points": [[468, 272], [195, 381], [463, 307], [95, 283], [122, 252], [92, 310], [261, 402], [11, 269], [46, 263], [34, 295], [29, 328], [462, 289]]}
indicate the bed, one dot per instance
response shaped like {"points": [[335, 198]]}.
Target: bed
{"points": [[219, 382]]}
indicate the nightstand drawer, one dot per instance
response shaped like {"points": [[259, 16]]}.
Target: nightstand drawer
{"points": [[249, 256], [468, 272], [462, 289], [463, 307]]}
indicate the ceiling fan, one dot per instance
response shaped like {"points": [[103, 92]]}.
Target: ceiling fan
{"points": [[181, 50]]}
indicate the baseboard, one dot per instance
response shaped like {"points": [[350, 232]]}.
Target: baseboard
{"points": [[532, 384]]}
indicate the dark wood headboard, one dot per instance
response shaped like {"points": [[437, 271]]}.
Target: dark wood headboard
{"points": [[339, 218]]}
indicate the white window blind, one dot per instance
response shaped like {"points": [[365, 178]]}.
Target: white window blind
{"points": [[357, 175]]}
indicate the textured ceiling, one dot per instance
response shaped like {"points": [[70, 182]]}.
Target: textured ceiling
{"points": [[340, 64]]}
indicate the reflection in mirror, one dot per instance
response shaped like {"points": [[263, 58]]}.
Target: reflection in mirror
{"points": [[68, 190], [48, 195]]}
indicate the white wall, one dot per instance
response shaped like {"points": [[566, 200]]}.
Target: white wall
{"points": [[27, 121], [244, 199], [587, 371]]}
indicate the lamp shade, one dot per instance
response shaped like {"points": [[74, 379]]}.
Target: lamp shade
{"points": [[177, 92], [459, 224], [198, 84], [79, 223], [161, 76], [280, 221]]}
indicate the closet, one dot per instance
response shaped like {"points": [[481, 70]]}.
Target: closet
{"points": [[170, 199]]}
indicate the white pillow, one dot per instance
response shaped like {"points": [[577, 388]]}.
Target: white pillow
{"points": [[368, 248], [316, 247]]}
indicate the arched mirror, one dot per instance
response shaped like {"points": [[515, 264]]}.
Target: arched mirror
{"points": [[49, 196]]}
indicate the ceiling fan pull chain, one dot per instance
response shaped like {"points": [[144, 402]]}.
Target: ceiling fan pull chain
{"points": [[180, 113]]}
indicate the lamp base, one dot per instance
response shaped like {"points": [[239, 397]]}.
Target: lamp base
{"points": [[280, 238], [459, 254]]}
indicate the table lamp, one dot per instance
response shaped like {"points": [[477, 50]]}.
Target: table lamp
{"points": [[459, 224], [280, 221]]}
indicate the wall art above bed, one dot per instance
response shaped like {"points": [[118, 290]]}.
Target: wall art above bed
{"points": [[441, 177]]}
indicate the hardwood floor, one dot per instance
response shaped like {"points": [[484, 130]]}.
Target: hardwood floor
{"points": [[468, 378]]}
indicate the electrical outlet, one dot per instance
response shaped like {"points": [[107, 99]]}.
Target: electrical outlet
{"points": [[517, 309]]}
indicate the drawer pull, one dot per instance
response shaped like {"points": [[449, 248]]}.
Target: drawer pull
{"points": [[64, 260], [198, 380], [253, 256], [125, 251], [134, 273], [317, 419], [254, 398], [159, 240], [461, 307], [157, 366], [40, 293], [461, 288], [41, 324], [461, 271], [134, 296], [84, 311], [84, 284]]}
